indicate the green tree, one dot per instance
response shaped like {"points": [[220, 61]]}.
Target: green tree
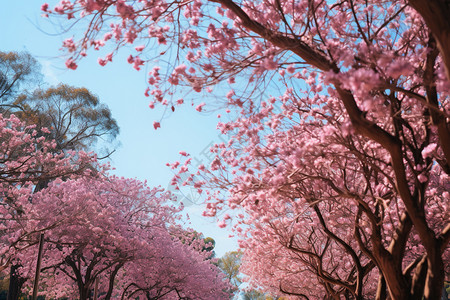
{"points": [[255, 295], [75, 117], [18, 70], [230, 263]]}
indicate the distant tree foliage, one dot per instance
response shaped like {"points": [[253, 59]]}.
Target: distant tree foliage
{"points": [[74, 116], [230, 264], [18, 70]]}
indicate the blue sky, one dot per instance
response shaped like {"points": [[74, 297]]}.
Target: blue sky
{"points": [[144, 152]]}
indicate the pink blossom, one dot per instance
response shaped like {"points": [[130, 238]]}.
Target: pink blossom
{"points": [[101, 62], [107, 36], [290, 69], [125, 11], [130, 35], [428, 150], [70, 63], [162, 40], [199, 107], [181, 69], [269, 63], [117, 31], [130, 59], [222, 224], [190, 56], [91, 5], [422, 178], [156, 125], [137, 63], [139, 48], [69, 45], [399, 67]]}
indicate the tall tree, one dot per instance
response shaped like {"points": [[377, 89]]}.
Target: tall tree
{"points": [[173, 270], [230, 263], [25, 161], [18, 71], [103, 222], [74, 116], [350, 175]]}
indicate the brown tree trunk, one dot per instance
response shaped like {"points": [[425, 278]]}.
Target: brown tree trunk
{"points": [[435, 276], [381, 289], [15, 284], [436, 14]]}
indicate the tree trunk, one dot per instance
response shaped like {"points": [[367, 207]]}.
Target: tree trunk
{"points": [[15, 284], [84, 293], [15, 281], [435, 276], [381, 289]]}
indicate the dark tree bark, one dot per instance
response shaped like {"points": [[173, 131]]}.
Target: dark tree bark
{"points": [[15, 284]]}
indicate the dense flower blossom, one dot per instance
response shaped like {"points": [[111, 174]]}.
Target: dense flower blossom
{"points": [[338, 161]]}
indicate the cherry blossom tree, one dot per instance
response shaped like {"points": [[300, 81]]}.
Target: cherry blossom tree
{"points": [[73, 118], [26, 160], [173, 270], [102, 224], [195, 240], [113, 231], [344, 168]]}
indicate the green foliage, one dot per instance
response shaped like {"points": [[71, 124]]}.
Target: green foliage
{"points": [[17, 71], [74, 116], [230, 263], [255, 295]]}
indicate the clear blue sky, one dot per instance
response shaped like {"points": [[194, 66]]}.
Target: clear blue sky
{"points": [[144, 152]]}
